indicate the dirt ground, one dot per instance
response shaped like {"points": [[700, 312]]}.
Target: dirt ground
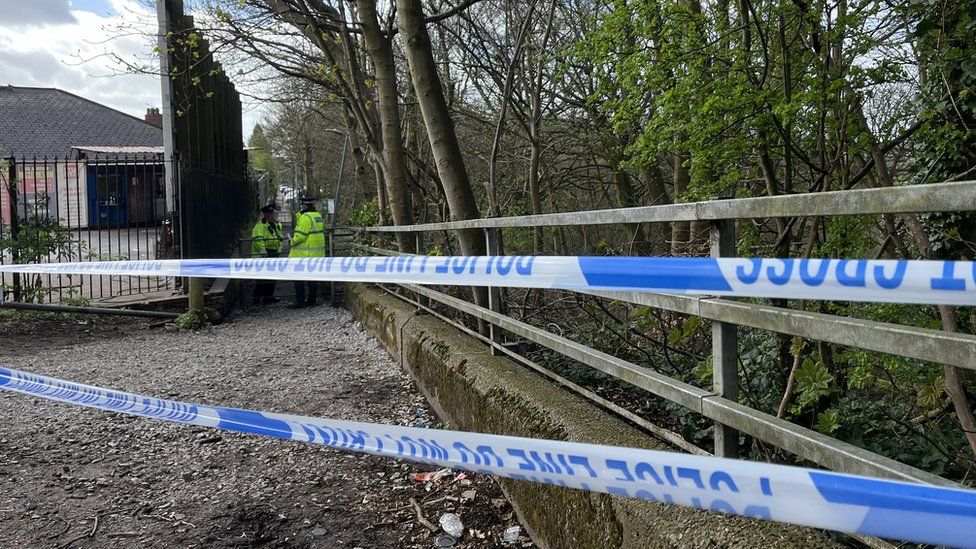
{"points": [[74, 477]]}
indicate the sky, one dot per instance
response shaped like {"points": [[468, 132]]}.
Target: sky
{"points": [[70, 44]]}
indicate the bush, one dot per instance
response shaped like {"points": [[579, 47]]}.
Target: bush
{"points": [[191, 321], [39, 238]]}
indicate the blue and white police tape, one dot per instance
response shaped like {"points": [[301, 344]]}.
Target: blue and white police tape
{"points": [[893, 281], [846, 503]]}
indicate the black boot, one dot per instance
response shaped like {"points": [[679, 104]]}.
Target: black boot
{"points": [[299, 295]]}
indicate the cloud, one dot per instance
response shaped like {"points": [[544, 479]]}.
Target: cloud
{"points": [[39, 69], [36, 13], [81, 55], [87, 53]]}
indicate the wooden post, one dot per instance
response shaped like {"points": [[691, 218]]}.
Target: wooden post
{"points": [[196, 301]]}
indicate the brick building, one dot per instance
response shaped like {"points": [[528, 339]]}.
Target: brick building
{"points": [[86, 164]]}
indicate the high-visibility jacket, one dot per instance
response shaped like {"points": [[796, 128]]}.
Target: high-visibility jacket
{"points": [[266, 237], [309, 237]]}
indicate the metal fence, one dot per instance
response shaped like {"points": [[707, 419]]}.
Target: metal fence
{"points": [[91, 208], [202, 116], [214, 208], [721, 403]]}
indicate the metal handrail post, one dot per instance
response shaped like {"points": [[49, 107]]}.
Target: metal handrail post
{"points": [[725, 374], [418, 243], [492, 245]]}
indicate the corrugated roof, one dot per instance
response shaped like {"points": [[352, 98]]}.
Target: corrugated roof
{"points": [[115, 149], [50, 122]]}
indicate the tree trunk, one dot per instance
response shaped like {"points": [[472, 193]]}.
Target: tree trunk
{"points": [[503, 111], [387, 104], [535, 153], [783, 237], [380, 192], [535, 131], [535, 196], [657, 195], [358, 158], [558, 233], [636, 241], [437, 120], [681, 230], [440, 131]]}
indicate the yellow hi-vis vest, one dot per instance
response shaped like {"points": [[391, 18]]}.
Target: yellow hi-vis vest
{"points": [[309, 238], [266, 237]]}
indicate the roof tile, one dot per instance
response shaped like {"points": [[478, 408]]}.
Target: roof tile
{"points": [[49, 122]]}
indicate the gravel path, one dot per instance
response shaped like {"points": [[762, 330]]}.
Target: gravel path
{"points": [[75, 477]]}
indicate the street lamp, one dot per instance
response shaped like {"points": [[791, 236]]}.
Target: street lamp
{"points": [[335, 203], [342, 165]]}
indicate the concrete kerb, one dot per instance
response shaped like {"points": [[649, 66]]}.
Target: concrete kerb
{"points": [[474, 391]]}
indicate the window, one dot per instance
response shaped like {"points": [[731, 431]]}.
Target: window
{"points": [[107, 188]]}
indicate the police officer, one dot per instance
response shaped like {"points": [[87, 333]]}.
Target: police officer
{"points": [[266, 242], [308, 241]]}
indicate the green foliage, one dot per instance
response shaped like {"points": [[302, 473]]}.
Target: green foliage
{"points": [[38, 239], [770, 108], [858, 240], [684, 331], [813, 382], [828, 422], [368, 215], [260, 150], [191, 321], [945, 34], [704, 372], [945, 145], [76, 301], [874, 423], [931, 395]]}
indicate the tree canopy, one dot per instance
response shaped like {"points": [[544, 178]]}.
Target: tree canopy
{"points": [[461, 109]]}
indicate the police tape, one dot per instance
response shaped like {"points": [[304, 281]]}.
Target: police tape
{"points": [[893, 281], [846, 503]]}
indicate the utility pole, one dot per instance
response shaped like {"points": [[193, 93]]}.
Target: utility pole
{"points": [[164, 14], [335, 205], [342, 167]]}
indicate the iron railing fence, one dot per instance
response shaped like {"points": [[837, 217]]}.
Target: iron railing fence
{"points": [[94, 207], [721, 403]]}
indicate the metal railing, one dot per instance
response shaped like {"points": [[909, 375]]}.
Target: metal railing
{"points": [[721, 403], [97, 207]]}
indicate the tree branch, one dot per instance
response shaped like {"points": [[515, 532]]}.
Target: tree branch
{"points": [[448, 13]]}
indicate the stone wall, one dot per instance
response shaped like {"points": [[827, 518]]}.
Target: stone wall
{"points": [[474, 391]]}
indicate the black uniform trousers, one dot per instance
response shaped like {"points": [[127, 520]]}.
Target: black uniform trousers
{"points": [[306, 293], [264, 289]]}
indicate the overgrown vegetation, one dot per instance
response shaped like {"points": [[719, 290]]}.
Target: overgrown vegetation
{"points": [[505, 107], [39, 239], [191, 321]]}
